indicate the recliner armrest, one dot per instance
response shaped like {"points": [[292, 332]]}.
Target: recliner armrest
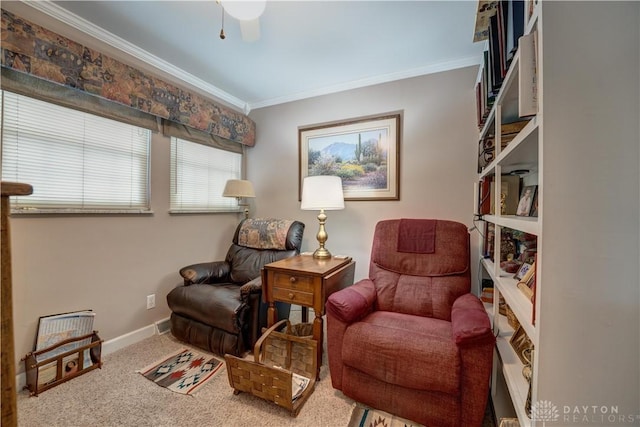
{"points": [[353, 303], [470, 325], [251, 287], [206, 272]]}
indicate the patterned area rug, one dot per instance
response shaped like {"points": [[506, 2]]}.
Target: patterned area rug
{"points": [[367, 417], [183, 372]]}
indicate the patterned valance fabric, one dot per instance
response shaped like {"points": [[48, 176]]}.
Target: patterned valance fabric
{"points": [[34, 50], [261, 233]]}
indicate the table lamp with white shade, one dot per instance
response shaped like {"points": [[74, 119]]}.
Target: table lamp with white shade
{"points": [[322, 193]]}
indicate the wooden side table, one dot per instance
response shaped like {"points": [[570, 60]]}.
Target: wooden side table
{"points": [[306, 281]]}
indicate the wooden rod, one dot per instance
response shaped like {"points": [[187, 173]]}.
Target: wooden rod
{"points": [[9, 413]]}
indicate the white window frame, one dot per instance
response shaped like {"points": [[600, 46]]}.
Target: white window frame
{"points": [[198, 174], [106, 162]]}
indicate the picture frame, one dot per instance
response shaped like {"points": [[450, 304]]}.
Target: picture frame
{"points": [[527, 282], [364, 152], [522, 271], [520, 342], [526, 200]]}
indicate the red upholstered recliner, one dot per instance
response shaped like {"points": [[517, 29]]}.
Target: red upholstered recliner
{"points": [[410, 339]]}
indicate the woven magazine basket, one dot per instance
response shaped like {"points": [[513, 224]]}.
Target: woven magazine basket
{"points": [[277, 357]]}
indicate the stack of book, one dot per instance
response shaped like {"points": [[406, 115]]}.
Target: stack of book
{"points": [[504, 22]]}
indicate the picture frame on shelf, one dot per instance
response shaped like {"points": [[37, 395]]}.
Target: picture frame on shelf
{"points": [[523, 271], [526, 200], [364, 152], [520, 342], [527, 282]]}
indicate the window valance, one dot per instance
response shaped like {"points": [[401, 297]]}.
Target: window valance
{"points": [[185, 132], [34, 87], [36, 51]]}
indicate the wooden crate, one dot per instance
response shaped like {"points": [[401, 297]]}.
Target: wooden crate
{"points": [[64, 366], [277, 357]]}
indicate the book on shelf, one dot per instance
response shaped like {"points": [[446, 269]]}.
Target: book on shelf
{"points": [[503, 12], [509, 195], [485, 196], [516, 24], [513, 127], [494, 54], [486, 8], [510, 130], [504, 28], [528, 81], [489, 239], [479, 102], [485, 96]]}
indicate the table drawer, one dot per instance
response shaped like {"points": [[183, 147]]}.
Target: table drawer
{"points": [[296, 282], [293, 296]]}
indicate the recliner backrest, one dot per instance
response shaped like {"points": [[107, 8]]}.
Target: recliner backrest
{"points": [[420, 266], [260, 241]]}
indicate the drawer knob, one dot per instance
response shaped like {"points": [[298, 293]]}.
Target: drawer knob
{"points": [[292, 295], [292, 279]]}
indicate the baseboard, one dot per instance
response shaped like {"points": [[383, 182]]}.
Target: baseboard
{"points": [[113, 345]]}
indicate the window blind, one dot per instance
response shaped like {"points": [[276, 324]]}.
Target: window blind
{"points": [[198, 176], [75, 161]]}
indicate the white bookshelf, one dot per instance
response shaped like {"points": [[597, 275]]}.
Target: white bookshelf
{"points": [[581, 150]]}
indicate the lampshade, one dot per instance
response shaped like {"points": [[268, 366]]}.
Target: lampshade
{"points": [[238, 188], [322, 192]]}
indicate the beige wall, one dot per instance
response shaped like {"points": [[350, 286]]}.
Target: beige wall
{"points": [[437, 157], [111, 263]]}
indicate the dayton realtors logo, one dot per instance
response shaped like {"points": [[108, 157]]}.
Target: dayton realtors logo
{"points": [[600, 415], [544, 410]]}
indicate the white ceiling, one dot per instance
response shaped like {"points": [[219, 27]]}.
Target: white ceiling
{"points": [[306, 48]]}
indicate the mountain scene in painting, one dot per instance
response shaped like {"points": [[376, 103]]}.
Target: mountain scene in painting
{"points": [[359, 158]]}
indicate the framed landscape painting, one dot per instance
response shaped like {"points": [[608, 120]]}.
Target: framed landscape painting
{"points": [[363, 152]]}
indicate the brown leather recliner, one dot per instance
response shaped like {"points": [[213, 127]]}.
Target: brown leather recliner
{"points": [[219, 307], [411, 339]]}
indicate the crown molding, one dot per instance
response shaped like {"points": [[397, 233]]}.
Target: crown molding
{"points": [[64, 16], [385, 78]]}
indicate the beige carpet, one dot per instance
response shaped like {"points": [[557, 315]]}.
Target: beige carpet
{"points": [[118, 396]]}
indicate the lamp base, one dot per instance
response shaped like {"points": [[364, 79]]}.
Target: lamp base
{"points": [[322, 253]]}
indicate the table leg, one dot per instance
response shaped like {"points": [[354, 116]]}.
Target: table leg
{"points": [[318, 336], [271, 314]]}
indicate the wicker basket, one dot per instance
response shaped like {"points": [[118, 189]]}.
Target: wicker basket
{"points": [[509, 422], [277, 356]]}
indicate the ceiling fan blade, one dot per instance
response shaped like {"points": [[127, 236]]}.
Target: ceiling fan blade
{"points": [[250, 30]]}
